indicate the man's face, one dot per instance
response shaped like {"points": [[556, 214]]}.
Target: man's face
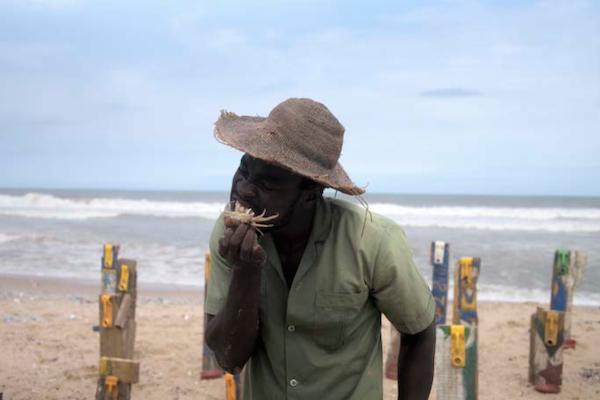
{"points": [[263, 186]]}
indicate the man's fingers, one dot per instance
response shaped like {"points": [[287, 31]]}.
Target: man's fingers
{"points": [[236, 242], [247, 245], [259, 257], [240, 244], [224, 241]]}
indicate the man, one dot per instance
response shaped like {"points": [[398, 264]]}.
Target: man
{"points": [[301, 305]]}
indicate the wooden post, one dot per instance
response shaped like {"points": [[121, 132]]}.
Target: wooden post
{"points": [[465, 291], [546, 350], [456, 362], [234, 389], [117, 300], [567, 273], [210, 367], [440, 257], [391, 363]]}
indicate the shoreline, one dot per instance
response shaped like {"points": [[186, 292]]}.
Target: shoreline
{"points": [[46, 285]]}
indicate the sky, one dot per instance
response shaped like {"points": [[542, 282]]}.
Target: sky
{"points": [[441, 97]]}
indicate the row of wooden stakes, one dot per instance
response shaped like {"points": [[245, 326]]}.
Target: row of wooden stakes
{"points": [[117, 326], [456, 346], [456, 343]]}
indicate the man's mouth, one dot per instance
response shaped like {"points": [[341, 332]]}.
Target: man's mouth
{"points": [[243, 204]]}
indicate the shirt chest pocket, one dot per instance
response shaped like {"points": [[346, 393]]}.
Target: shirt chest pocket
{"points": [[333, 313]]}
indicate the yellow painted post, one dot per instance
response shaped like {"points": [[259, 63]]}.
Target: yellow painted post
{"points": [[117, 370], [210, 367]]}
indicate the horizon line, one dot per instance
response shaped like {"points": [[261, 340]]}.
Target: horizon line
{"points": [[142, 190]]}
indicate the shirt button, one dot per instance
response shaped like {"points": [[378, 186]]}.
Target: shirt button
{"points": [[293, 383], [291, 328]]}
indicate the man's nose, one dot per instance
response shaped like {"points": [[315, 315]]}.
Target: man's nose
{"points": [[246, 189]]}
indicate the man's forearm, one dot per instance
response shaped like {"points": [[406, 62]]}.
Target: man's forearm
{"points": [[416, 364], [232, 333]]}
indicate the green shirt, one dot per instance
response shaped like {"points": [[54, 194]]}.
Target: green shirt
{"points": [[322, 338]]}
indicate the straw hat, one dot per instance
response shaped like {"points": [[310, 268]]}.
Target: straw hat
{"points": [[300, 135]]}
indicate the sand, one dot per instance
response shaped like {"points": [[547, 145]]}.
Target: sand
{"points": [[50, 351]]}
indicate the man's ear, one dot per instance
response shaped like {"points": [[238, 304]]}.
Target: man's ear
{"points": [[314, 194]]}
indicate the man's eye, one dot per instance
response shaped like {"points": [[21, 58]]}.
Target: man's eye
{"points": [[269, 185]]}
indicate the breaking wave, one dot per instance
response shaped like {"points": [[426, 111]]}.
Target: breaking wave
{"points": [[37, 205], [46, 206]]}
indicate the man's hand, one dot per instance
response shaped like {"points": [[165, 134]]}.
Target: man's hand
{"points": [[239, 245], [232, 333]]}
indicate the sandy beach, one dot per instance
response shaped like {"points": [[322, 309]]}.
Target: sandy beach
{"points": [[50, 350]]}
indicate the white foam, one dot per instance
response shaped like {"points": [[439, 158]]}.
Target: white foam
{"points": [[494, 218], [533, 213], [5, 238], [36, 205]]}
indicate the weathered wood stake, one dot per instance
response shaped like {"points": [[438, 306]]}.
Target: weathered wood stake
{"points": [[456, 362], [117, 301], [546, 350], [234, 386], [210, 367], [391, 362], [567, 273], [440, 257]]}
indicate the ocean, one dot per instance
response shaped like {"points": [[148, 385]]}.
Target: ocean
{"points": [[60, 234]]}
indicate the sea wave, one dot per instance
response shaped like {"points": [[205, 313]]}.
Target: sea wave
{"points": [[47, 206], [537, 214], [5, 237], [493, 218]]}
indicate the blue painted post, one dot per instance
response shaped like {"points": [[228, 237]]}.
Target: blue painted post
{"points": [[560, 275], [440, 258], [567, 273]]}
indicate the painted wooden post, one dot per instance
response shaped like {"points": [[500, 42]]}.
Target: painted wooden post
{"points": [[117, 300], [234, 386], [465, 291], [391, 363], [210, 367], [440, 257], [456, 362], [546, 350], [567, 273]]}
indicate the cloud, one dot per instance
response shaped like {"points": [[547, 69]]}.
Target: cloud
{"points": [[450, 92]]}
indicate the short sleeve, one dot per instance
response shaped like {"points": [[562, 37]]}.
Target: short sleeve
{"points": [[220, 273], [399, 290]]}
